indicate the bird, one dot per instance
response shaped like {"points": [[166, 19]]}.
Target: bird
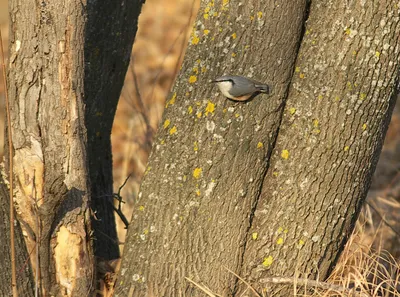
{"points": [[240, 88]]}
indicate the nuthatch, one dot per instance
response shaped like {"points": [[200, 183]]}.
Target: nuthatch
{"points": [[239, 88]]}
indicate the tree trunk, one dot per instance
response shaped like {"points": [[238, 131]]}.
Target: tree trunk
{"points": [[25, 283], [206, 169], [67, 66], [221, 190], [336, 116]]}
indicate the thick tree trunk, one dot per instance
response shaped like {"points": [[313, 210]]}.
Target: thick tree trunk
{"points": [[210, 199], [337, 113], [206, 169], [67, 66], [25, 282]]}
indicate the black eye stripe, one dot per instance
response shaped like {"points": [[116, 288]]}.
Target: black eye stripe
{"points": [[225, 80]]}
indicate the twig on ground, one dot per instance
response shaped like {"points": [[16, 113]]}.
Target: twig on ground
{"points": [[312, 283], [246, 283], [203, 288]]}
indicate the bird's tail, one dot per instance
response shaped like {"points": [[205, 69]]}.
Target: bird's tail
{"points": [[264, 88]]}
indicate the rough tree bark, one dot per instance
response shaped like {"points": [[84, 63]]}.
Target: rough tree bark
{"points": [[338, 109], [212, 197], [25, 282], [67, 66], [207, 166]]}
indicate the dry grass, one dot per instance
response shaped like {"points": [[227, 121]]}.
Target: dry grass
{"points": [[367, 270]]}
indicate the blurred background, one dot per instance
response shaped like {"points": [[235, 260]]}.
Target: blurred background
{"points": [[164, 27]]}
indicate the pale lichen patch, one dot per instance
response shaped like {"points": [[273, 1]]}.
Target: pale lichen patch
{"points": [[315, 238], [135, 277], [210, 126], [17, 45], [210, 188]]}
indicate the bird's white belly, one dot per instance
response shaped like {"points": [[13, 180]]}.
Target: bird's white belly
{"points": [[224, 87]]}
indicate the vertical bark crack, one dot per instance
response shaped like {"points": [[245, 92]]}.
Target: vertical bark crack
{"points": [[268, 157]]}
